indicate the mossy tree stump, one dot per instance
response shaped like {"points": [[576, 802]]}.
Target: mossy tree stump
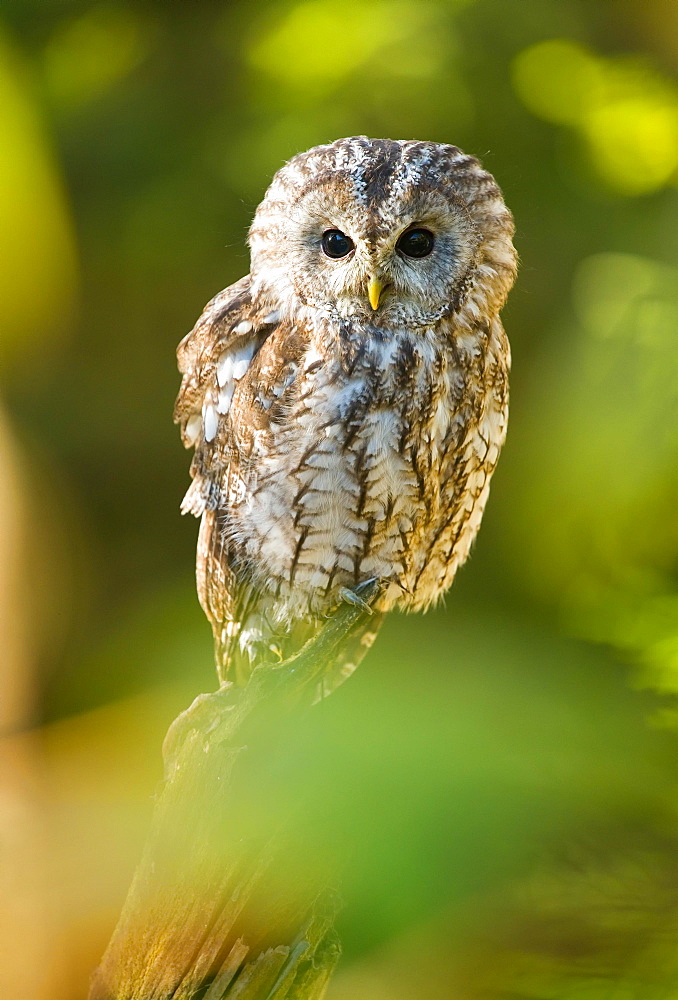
{"points": [[212, 912]]}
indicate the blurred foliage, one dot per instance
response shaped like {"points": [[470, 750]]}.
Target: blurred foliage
{"points": [[38, 271], [87, 55], [617, 106], [136, 139]]}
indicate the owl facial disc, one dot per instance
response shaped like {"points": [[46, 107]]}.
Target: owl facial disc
{"points": [[391, 233]]}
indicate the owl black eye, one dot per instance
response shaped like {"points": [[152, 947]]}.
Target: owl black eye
{"points": [[416, 243], [336, 244]]}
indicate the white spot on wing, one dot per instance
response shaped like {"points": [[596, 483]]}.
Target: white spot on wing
{"points": [[240, 367], [231, 367], [225, 368], [210, 420], [225, 397], [241, 359], [242, 328], [193, 428]]}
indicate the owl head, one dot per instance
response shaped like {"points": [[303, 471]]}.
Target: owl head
{"points": [[391, 232]]}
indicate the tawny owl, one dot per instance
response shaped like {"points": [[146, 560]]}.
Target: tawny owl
{"points": [[347, 399]]}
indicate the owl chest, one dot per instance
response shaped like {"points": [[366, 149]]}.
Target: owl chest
{"points": [[344, 488]]}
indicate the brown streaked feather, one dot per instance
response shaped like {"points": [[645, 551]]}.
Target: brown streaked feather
{"points": [[224, 595]]}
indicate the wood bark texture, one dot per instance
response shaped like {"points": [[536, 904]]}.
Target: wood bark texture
{"points": [[211, 912]]}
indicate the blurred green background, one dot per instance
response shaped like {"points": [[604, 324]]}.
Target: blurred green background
{"points": [[514, 751]]}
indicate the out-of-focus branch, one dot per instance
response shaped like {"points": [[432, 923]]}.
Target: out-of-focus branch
{"points": [[24, 942], [212, 911]]}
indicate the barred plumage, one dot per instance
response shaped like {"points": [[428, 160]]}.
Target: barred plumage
{"points": [[336, 441]]}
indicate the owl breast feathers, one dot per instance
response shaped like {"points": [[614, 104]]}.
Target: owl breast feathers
{"points": [[347, 400]]}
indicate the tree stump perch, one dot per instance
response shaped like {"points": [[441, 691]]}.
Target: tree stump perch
{"points": [[210, 913]]}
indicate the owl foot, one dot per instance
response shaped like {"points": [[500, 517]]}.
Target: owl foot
{"points": [[218, 715], [354, 598], [299, 671]]}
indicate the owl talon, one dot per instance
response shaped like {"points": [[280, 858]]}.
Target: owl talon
{"points": [[353, 597]]}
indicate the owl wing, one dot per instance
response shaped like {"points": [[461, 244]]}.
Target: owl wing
{"points": [[213, 358], [238, 364]]}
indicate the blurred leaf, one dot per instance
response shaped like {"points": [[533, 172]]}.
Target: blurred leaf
{"points": [[602, 533], [338, 40], [88, 54], [624, 110], [38, 271]]}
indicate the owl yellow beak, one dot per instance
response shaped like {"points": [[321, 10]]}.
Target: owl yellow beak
{"points": [[374, 290]]}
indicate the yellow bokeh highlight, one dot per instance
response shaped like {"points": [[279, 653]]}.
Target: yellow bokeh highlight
{"points": [[88, 55], [37, 250], [557, 80], [625, 111], [321, 42], [634, 143]]}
